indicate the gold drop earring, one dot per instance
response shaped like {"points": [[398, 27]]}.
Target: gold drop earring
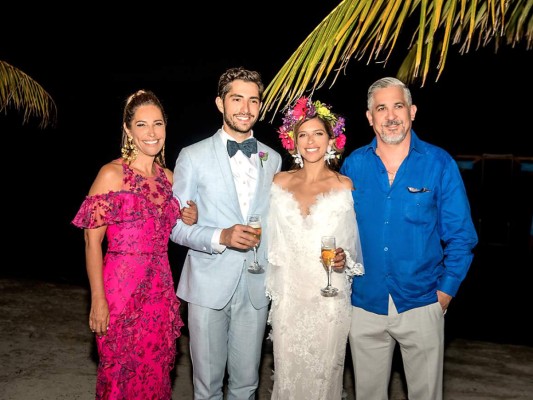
{"points": [[129, 150]]}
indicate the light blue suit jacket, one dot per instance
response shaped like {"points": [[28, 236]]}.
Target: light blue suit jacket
{"points": [[203, 174]]}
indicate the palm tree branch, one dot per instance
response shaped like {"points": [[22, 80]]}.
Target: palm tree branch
{"points": [[448, 13], [357, 27], [20, 91]]}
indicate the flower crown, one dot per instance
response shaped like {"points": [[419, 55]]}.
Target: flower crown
{"points": [[305, 109]]}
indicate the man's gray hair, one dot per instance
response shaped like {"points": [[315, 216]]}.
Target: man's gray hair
{"points": [[385, 83]]}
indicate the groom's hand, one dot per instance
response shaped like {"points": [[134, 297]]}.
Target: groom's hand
{"points": [[239, 237]]}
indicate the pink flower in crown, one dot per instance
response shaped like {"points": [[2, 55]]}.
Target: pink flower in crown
{"points": [[340, 141], [286, 140], [301, 108]]}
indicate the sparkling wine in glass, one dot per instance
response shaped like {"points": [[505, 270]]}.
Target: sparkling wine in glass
{"points": [[254, 220], [327, 249]]}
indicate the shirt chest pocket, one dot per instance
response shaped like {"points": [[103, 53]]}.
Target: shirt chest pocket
{"points": [[420, 208]]}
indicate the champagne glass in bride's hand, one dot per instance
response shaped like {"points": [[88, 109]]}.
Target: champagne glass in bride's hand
{"points": [[254, 220], [327, 249]]}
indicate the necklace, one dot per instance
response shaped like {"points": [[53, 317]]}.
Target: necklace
{"points": [[391, 175]]}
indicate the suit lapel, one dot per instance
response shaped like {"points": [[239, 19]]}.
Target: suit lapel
{"points": [[262, 173], [221, 156]]}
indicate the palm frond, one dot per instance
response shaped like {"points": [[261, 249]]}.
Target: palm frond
{"points": [[20, 91], [359, 28]]}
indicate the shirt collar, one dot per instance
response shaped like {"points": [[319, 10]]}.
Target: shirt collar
{"points": [[416, 144], [226, 136]]}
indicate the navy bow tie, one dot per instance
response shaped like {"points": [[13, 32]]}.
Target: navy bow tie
{"points": [[248, 147]]}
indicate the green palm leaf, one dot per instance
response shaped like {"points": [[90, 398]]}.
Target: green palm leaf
{"points": [[356, 29]]}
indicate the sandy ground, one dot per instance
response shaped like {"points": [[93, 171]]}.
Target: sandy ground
{"points": [[47, 353]]}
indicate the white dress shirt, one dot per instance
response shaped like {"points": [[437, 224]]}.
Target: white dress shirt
{"points": [[244, 171]]}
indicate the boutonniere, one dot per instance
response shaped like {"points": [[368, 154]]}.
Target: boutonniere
{"points": [[263, 157]]}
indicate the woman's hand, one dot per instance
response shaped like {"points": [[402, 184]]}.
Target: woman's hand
{"points": [[189, 215], [339, 262], [99, 316]]}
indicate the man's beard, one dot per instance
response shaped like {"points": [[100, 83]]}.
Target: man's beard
{"points": [[234, 127], [395, 138]]}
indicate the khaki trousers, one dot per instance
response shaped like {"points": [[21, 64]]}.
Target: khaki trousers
{"points": [[420, 335]]}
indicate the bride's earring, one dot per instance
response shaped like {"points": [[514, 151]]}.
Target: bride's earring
{"points": [[330, 154], [298, 160]]}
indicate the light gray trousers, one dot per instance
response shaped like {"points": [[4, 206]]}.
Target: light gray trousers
{"points": [[228, 338], [420, 335]]}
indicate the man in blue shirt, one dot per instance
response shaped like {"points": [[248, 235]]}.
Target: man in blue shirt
{"points": [[417, 238]]}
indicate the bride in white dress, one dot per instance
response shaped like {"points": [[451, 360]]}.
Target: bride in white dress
{"points": [[310, 332]]}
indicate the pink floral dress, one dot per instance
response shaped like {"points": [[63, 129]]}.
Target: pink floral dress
{"points": [[138, 352]]}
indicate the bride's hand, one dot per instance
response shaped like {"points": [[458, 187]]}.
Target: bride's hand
{"points": [[339, 262]]}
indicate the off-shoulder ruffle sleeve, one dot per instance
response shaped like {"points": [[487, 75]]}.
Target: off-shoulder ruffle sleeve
{"points": [[113, 207]]}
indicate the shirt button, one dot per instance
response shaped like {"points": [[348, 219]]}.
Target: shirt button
{"points": [[385, 249]]}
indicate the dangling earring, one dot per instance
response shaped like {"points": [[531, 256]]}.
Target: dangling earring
{"points": [[330, 154], [160, 158], [129, 150], [298, 159]]}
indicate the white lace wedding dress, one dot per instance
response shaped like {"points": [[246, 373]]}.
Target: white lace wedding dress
{"points": [[309, 332]]}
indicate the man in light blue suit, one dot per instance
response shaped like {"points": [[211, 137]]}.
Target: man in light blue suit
{"points": [[227, 305]]}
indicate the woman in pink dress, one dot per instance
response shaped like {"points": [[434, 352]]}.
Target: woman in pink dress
{"points": [[134, 310]]}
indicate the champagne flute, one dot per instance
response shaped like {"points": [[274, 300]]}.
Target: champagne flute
{"points": [[327, 251], [254, 220]]}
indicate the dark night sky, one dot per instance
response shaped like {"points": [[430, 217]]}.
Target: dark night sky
{"points": [[92, 59]]}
